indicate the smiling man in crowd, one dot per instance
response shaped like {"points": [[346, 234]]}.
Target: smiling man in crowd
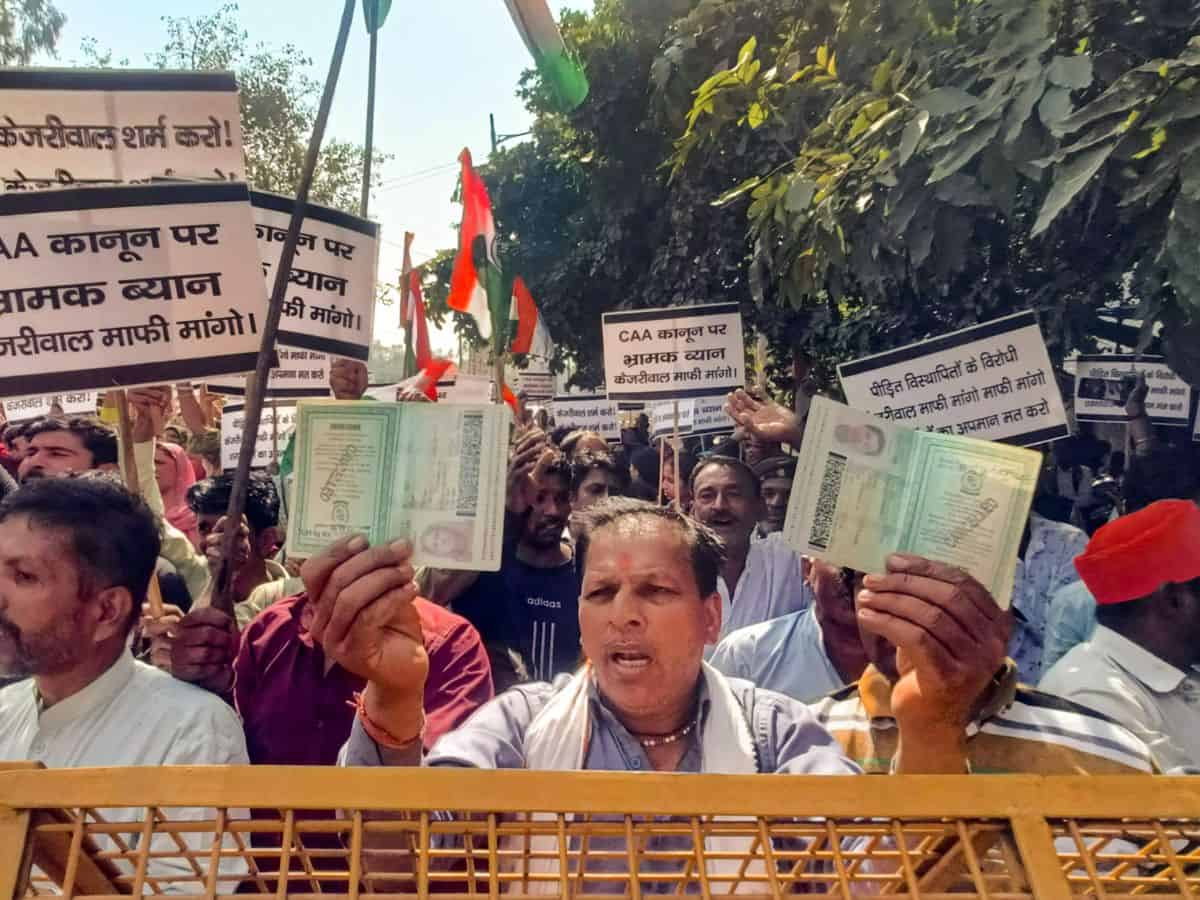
{"points": [[760, 580]]}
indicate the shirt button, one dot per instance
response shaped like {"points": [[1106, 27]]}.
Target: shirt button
{"points": [[637, 763]]}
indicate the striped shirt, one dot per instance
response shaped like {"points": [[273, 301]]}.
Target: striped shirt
{"points": [[1018, 731]]}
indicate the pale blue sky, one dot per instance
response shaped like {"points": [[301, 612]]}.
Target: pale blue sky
{"points": [[443, 66]]}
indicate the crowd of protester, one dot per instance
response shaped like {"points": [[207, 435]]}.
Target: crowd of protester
{"points": [[637, 622]]}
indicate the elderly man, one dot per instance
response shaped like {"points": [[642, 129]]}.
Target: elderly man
{"points": [[76, 557], [760, 580], [1139, 667]]}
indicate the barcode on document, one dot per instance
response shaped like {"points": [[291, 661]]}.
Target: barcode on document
{"points": [[831, 486], [468, 472]]}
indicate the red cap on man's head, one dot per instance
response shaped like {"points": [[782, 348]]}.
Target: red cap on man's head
{"points": [[1133, 556]]}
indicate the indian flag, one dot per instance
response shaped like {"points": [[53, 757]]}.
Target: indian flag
{"points": [[554, 61], [476, 267], [529, 331]]}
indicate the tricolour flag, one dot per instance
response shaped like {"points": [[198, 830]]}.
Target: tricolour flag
{"points": [[529, 334], [476, 265], [557, 65]]}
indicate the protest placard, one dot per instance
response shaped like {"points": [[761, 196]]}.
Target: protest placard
{"points": [[64, 127], [1103, 383], [535, 383], [330, 302], [272, 437], [865, 488], [587, 412], [22, 409], [108, 287], [300, 373], [992, 381], [663, 421], [674, 353], [433, 473], [709, 416], [75, 403]]}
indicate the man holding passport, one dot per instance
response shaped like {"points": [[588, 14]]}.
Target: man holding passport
{"points": [[933, 616]]}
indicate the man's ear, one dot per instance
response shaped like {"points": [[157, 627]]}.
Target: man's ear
{"points": [[113, 607], [712, 618]]}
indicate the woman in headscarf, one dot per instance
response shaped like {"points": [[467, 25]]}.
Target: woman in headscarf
{"points": [[175, 475]]}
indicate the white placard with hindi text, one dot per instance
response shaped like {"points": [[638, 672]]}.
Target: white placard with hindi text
{"points": [[64, 127], [21, 409], [117, 287], [675, 353], [992, 381], [275, 428], [300, 373], [1103, 384], [587, 412], [535, 383], [330, 301], [74, 403]]}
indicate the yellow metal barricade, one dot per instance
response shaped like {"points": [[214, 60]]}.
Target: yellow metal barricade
{"points": [[116, 832]]}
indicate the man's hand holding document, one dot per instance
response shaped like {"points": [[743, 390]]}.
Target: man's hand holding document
{"points": [[865, 488]]}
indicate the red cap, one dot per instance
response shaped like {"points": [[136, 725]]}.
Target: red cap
{"points": [[1133, 556]]}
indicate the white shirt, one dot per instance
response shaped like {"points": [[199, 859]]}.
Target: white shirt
{"points": [[132, 715], [1158, 702], [771, 585]]}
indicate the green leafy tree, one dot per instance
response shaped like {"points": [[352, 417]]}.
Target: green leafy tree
{"points": [[27, 28], [947, 162], [587, 213], [279, 101]]}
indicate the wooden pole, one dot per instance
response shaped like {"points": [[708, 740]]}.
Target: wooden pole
{"points": [[369, 145], [223, 596], [129, 471], [675, 455], [662, 464]]}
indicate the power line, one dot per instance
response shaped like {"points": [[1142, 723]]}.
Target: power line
{"points": [[437, 168]]}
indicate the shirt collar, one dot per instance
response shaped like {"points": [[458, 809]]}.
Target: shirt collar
{"points": [[93, 698], [875, 691], [601, 710], [1157, 674]]}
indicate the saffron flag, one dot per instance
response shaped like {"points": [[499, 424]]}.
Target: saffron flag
{"points": [[416, 325], [557, 65], [529, 334], [476, 265]]}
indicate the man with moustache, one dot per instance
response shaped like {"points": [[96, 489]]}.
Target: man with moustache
{"points": [[76, 556], [63, 446], [644, 701], [760, 580]]}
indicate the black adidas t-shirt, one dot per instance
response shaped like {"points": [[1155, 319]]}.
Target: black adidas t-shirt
{"points": [[531, 610]]}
